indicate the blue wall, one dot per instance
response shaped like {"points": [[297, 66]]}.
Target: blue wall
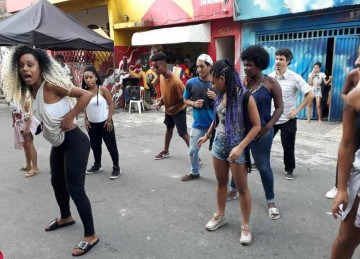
{"points": [[308, 51], [267, 8]]}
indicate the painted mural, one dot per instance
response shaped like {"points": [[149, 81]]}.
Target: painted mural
{"points": [[246, 10], [130, 63]]}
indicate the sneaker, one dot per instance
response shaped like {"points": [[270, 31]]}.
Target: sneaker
{"points": [[200, 163], [94, 169], [232, 195], [215, 222], [245, 239], [116, 172], [162, 155], [289, 176], [189, 177], [332, 193]]}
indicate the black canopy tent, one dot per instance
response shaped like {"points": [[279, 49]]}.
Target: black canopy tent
{"points": [[45, 26]]}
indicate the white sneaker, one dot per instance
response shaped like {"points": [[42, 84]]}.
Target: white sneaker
{"points": [[245, 239], [332, 193], [215, 222]]}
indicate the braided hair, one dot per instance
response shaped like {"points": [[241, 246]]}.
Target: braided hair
{"points": [[235, 90]]}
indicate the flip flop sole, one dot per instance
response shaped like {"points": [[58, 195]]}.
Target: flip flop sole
{"points": [[55, 225]]}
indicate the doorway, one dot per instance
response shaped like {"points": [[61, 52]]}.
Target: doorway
{"points": [[225, 48]]}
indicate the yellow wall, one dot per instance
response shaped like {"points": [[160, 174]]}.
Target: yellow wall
{"points": [[135, 10], [116, 11]]}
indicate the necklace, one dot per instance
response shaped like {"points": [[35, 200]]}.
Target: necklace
{"points": [[257, 85], [94, 92]]}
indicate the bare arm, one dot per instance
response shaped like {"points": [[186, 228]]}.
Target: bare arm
{"points": [[309, 97], [253, 132], [107, 95], [326, 82], [207, 135], [110, 102], [310, 80], [346, 151], [83, 99], [348, 85], [196, 104]]}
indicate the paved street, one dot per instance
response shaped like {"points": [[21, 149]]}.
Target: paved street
{"points": [[149, 213]]}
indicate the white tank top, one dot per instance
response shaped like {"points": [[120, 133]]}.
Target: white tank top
{"points": [[97, 109], [58, 109], [51, 118]]}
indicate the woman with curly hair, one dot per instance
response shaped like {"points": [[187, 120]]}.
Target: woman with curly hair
{"points": [[264, 90], [34, 71], [231, 141], [98, 121]]}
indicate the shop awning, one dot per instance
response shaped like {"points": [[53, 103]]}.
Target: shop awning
{"points": [[190, 33]]}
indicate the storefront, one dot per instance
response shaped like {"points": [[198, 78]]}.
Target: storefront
{"points": [[328, 34], [182, 29]]}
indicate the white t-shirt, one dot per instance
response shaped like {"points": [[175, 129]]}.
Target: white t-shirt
{"points": [[317, 78], [290, 83]]}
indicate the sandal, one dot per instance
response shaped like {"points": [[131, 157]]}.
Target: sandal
{"points": [[274, 213], [55, 225], [31, 173], [162, 155], [85, 246], [24, 168]]}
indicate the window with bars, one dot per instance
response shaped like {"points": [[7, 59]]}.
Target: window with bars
{"points": [[311, 34]]}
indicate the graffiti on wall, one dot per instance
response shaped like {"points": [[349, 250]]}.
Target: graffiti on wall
{"points": [[266, 8], [131, 61]]}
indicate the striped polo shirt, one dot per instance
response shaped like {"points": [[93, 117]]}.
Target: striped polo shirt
{"points": [[290, 83]]}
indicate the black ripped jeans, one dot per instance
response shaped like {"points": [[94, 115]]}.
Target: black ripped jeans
{"points": [[68, 165]]}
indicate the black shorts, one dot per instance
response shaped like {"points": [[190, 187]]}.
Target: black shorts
{"points": [[178, 120]]}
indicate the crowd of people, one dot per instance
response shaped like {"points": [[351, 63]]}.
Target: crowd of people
{"points": [[239, 118]]}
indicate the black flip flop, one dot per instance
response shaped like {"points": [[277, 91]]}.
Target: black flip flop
{"points": [[55, 225], [85, 246]]}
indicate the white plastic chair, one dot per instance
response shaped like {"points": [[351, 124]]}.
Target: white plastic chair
{"points": [[140, 103]]}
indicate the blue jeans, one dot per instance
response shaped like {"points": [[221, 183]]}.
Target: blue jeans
{"points": [[194, 148], [260, 150], [221, 150]]}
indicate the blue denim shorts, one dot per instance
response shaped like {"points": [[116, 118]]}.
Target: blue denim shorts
{"points": [[221, 150]]}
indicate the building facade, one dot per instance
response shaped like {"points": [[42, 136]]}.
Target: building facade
{"points": [[324, 31]]}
